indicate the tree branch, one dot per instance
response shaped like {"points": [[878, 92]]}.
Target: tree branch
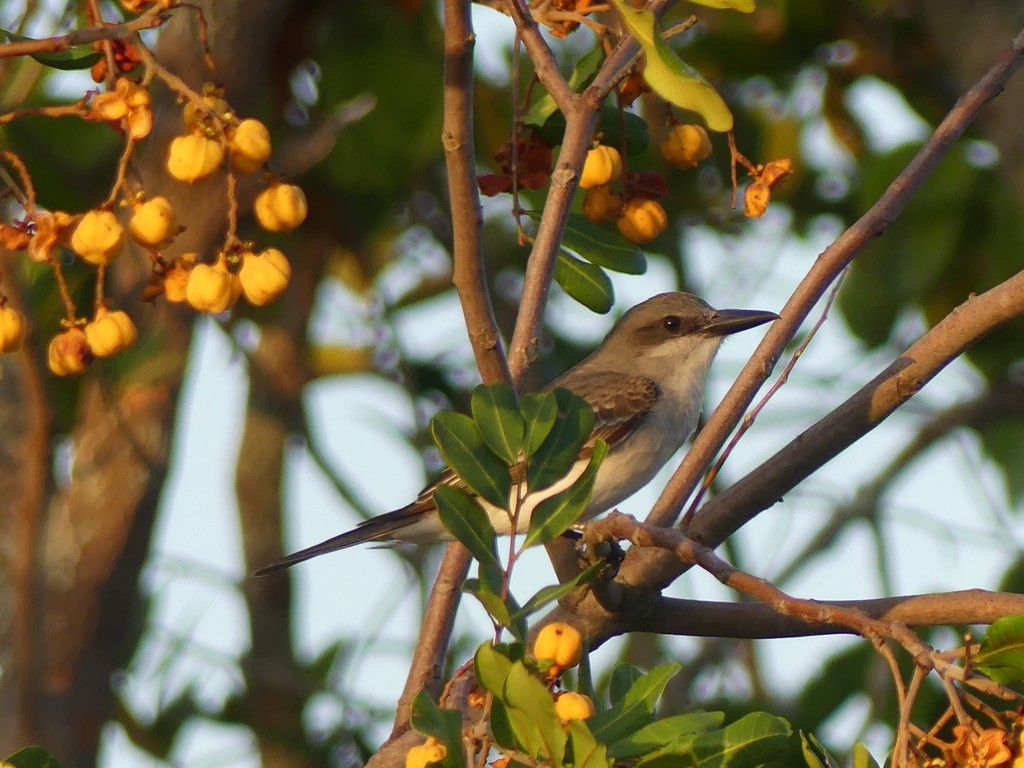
{"points": [[828, 266], [152, 18]]}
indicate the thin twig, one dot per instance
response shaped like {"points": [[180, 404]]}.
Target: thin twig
{"points": [[152, 18]]}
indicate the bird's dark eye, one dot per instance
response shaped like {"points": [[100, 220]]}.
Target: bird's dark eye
{"points": [[672, 324]]}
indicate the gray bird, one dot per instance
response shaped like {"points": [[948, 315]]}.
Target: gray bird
{"points": [[645, 383]]}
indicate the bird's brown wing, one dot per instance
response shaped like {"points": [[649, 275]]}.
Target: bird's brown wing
{"points": [[620, 402]]}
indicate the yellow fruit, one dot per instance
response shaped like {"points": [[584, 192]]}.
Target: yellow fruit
{"points": [[110, 332], [108, 106], [602, 205], [603, 165], [756, 199], [686, 145], [250, 145], [642, 220], [176, 282], [280, 207], [559, 643], [423, 755], [264, 276], [153, 224], [573, 706], [12, 330], [211, 288], [193, 157], [98, 237], [69, 353]]}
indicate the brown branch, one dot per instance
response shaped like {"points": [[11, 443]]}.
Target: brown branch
{"points": [[857, 416], [470, 278], [826, 268], [152, 18]]}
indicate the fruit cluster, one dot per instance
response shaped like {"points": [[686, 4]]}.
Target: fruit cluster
{"points": [[98, 237]]}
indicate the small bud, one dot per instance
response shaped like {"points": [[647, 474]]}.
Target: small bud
{"points": [[211, 287], [559, 643], [602, 205], [573, 706], [686, 146]]}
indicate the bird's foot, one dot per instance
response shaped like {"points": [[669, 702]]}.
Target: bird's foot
{"points": [[591, 549]]}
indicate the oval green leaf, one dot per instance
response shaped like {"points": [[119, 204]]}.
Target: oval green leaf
{"points": [[496, 413], [554, 515], [669, 76], [463, 447], [585, 282], [599, 246], [560, 451], [466, 520], [539, 411]]}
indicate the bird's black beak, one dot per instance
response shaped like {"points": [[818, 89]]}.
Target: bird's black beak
{"points": [[726, 321]]}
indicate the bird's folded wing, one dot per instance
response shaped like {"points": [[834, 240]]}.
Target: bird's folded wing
{"points": [[620, 402]]}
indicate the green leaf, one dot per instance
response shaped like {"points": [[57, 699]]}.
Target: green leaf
{"points": [[497, 416], [814, 752], [551, 517], [601, 247], [443, 724], [466, 520], [78, 57], [502, 611], [662, 733], [463, 447], [635, 708], [1001, 656], [617, 128], [532, 713], [669, 76], [585, 282], [554, 592], [539, 411], [861, 757], [544, 106], [491, 666], [622, 679], [561, 449], [583, 750], [743, 6], [752, 740], [31, 757], [504, 730]]}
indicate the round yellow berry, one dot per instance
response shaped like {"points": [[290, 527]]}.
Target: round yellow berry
{"points": [[686, 146], [176, 281], [602, 166], [264, 276], [12, 330], [250, 145], [280, 207], [559, 643], [194, 157], [573, 706], [602, 205], [211, 288], [110, 332], [68, 353], [98, 237], [642, 220], [153, 224]]}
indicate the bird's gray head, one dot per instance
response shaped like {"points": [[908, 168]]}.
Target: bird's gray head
{"points": [[673, 331]]}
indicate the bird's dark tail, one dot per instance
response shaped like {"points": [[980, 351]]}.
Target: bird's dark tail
{"points": [[374, 529]]}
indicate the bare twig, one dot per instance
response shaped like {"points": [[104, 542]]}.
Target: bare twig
{"points": [[154, 17]]}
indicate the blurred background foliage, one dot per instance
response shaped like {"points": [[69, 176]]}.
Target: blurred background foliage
{"points": [[374, 250]]}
